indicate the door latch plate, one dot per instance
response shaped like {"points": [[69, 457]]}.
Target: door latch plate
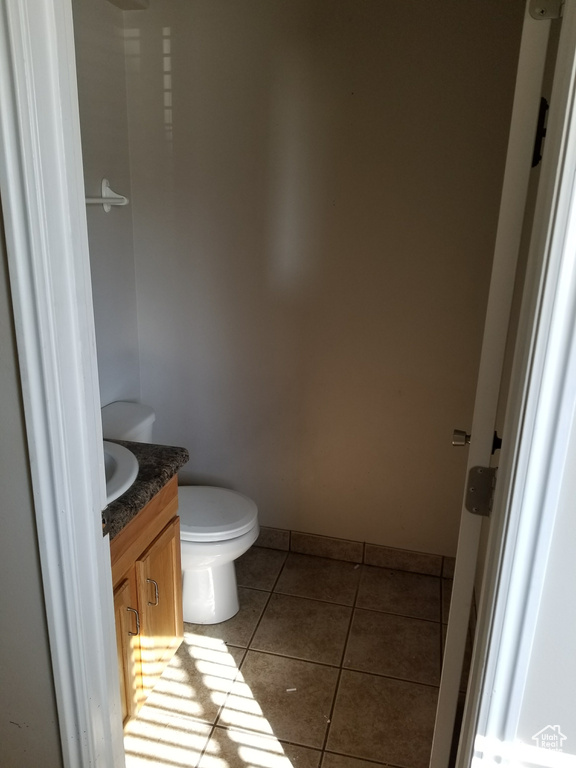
{"points": [[480, 490]]}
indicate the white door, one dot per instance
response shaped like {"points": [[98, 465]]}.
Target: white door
{"points": [[521, 707], [531, 66]]}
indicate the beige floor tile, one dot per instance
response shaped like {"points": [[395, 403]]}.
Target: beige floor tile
{"points": [[231, 748], [324, 546], [287, 698], [239, 629], [396, 646], [376, 718], [179, 742], [259, 568], [319, 578], [197, 680], [305, 629], [274, 538], [448, 565], [330, 760], [446, 597], [407, 594], [403, 560]]}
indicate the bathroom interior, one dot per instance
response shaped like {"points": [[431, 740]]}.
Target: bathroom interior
{"points": [[299, 281]]}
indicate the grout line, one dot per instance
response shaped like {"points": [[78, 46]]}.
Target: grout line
{"points": [[232, 682], [364, 759], [348, 633], [439, 572], [253, 589], [315, 599], [267, 603], [277, 655], [401, 615], [272, 737], [229, 693], [361, 570], [243, 659], [205, 747], [362, 561], [342, 657], [331, 712], [354, 603], [392, 677], [280, 572]]}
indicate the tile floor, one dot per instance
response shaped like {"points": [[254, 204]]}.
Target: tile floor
{"points": [[328, 664]]}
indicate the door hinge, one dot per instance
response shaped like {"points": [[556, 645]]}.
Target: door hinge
{"points": [[546, 9], [480, 490]]}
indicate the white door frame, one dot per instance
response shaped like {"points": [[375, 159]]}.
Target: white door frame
{"points": [[41, 184], [540, 422], [42, 191], [531, 64]]}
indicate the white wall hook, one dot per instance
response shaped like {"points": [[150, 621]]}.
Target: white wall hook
{"points": [[108, 199]]}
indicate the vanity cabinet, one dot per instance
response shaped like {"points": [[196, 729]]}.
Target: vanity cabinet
{"points": [[126, 646], [147, 581]]}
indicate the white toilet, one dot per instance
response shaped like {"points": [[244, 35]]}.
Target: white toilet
{"points": [[216, 527]]}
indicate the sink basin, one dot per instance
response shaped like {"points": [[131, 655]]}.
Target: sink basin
{"points": [[121, 467]]}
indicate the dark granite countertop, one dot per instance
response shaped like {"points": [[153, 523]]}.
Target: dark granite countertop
{"points": [[157, 465]]}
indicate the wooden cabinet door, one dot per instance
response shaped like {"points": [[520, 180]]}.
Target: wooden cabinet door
{"points": [[127, 645], [159, 582]]}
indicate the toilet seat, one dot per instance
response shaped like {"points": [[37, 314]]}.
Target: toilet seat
{"points": [[214, 514]]}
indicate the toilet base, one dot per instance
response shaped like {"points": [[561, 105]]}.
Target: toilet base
{"points": [[209, 595]]}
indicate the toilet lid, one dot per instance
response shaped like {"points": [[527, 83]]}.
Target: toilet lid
{"points": [[214, 514]]}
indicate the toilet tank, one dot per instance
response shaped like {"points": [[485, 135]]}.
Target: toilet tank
{"points": [[127, 421]]}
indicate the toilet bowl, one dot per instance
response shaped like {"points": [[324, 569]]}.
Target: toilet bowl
{"points": [[216, 527]]}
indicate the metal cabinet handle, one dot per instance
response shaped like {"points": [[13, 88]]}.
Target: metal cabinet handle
{"points": [[133, 610], [151, 581]]}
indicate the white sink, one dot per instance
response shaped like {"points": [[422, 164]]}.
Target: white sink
{"points": [[121, 467]]}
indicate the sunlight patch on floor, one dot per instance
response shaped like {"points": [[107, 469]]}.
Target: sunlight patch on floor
{"points": [[175, 725], [230, 748]]}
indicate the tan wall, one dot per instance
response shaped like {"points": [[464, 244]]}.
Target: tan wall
{"points": [[29, 732], [316, 186], [99, 36]]}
